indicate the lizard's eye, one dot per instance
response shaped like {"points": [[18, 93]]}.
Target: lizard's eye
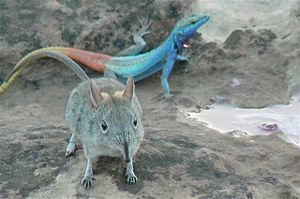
{"points": [[134, 122], [193, 22], [104, 126]]}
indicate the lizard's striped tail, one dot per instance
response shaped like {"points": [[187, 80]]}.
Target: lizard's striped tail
{"points": [[52, 52]]}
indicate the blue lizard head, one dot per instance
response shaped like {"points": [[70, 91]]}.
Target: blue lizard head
{"points": [[186, 27]]}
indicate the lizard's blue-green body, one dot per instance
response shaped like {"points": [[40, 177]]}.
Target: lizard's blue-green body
{"points": [[128, 62], [160, 58]]}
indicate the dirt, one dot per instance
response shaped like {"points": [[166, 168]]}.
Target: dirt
{"points": [[179, 158]]}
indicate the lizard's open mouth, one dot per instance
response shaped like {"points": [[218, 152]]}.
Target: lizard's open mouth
{"points": [[186, 44]]}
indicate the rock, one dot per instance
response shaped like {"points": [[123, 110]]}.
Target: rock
{"points": [[238, 133], [259, 39], [234, 40], [178, 158]]}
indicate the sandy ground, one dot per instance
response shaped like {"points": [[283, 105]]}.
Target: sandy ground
{"points": [[179, 158]]}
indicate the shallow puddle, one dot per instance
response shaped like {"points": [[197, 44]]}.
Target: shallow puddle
{"points": [[226, 118]]}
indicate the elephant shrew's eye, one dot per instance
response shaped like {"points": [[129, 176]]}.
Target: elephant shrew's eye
{"points": [[104, 126], [134, 122]]}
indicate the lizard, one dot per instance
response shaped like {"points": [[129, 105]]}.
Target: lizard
{"points": [[131, 62]]}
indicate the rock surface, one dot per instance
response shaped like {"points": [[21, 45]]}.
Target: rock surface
{"points": [[179, 158]]}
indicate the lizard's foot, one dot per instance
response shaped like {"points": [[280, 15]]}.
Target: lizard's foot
{"points": [[71, 148], [184, 57], [167, 95], [88, 182], [130, 178], [164, 96], [145, 23]]}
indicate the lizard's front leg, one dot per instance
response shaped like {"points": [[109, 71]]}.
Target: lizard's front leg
{"points": [[167, 69], [88, 180], [138, 39], [182, 58]]}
